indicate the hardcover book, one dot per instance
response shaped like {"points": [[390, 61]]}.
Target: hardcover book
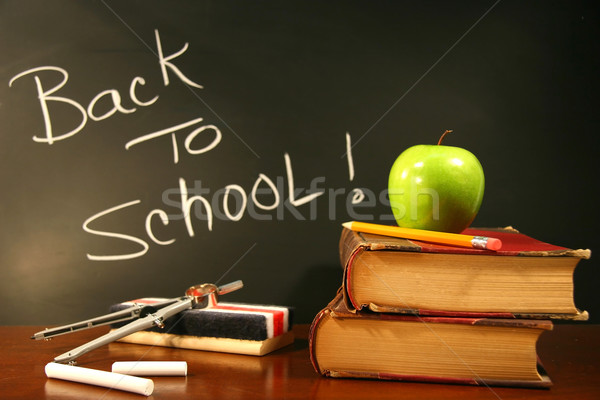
{"points": [[526, 278], [240, 328], [475, 351]]}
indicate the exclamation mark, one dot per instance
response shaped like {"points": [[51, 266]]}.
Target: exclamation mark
{"points": [[358, 194], [349, 155]]}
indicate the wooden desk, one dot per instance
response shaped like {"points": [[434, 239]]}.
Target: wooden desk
{"points": [[570, 353]]}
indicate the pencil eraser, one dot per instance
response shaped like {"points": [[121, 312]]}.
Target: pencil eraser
{"points": [[493, 244], [100, 378], [150, 368]]}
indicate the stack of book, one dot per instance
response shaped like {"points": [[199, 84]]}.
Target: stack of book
{"points": [[417, 311]]}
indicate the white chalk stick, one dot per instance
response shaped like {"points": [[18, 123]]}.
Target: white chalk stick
{"points": [[100, 378], [151, 368]]}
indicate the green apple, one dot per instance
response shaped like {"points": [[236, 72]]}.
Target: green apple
{"points": [[436, 187]]}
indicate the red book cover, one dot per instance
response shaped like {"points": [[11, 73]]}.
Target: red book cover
{"points": [[514, 243]]}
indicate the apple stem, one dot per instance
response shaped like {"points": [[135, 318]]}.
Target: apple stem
{"points": [[443, 136]]}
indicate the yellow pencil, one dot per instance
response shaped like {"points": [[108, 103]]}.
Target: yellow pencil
{"points": [[453, 239]]}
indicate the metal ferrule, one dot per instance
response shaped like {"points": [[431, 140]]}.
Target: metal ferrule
{"points": [[479, 242]]}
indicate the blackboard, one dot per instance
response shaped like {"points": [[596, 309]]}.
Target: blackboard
{"points": [[125, 125]]}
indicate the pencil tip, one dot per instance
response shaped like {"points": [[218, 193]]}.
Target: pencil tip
{"points": [[347, 225]]}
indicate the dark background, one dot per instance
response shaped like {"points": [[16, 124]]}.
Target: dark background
{"points": [[516, 81]]}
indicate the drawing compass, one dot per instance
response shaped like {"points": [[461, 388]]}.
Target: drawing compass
{"points": [[144, 316]]}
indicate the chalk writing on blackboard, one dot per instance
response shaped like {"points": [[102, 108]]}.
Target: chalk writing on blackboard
{"points": [[190, 205], [358, 195], [45, 95], [188, 140]]}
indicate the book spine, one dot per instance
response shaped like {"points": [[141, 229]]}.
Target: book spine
{"points": [[348, 283], [312, 337], [350, 241], [352, 244]]}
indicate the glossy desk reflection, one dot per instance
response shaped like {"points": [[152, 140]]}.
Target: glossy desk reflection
{"points": [[570, 353]]}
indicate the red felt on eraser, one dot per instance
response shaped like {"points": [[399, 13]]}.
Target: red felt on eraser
{"points": [[493, 244]]}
